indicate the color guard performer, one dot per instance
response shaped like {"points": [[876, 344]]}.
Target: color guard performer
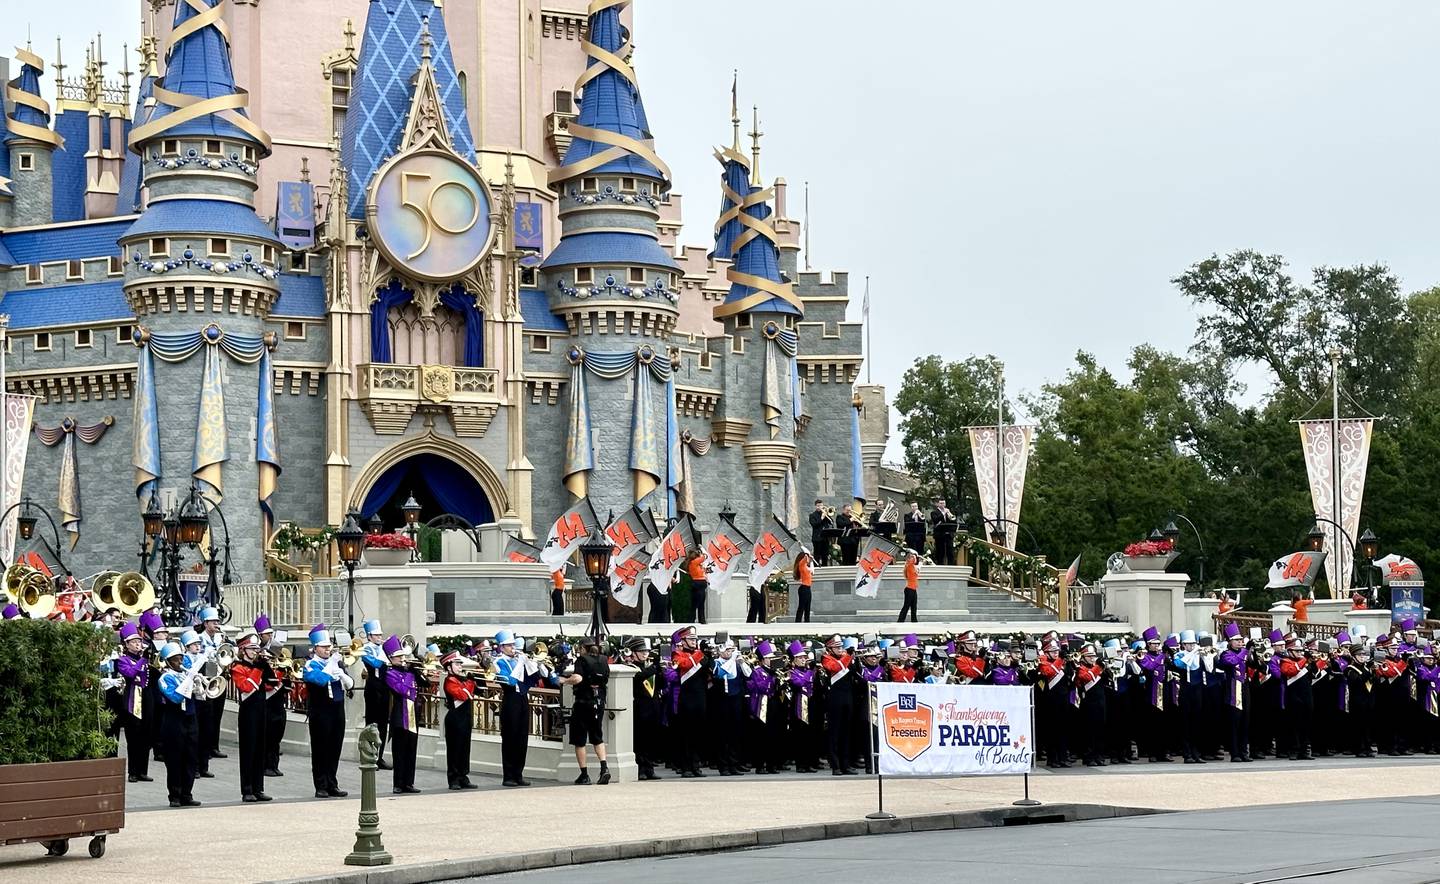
{"points": [[404, 727], [459, 691], [134, 669], [326, 682], [178, 729], [377, 695], [804, 580], [912, 586], [247, 674]]}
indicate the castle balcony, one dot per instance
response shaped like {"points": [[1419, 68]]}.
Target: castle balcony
{"points": [[390, 394], [557, 131]]}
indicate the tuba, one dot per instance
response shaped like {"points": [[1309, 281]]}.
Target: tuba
{"points": [[31, 589], [133, 593]]}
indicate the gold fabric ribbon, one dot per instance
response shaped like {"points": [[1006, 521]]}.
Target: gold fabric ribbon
{"points": [[619, 146], [767, 289], [20, 97], [192, 107]]}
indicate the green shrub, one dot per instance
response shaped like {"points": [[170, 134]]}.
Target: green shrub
{"points": [[429, 542], [51, 706]]}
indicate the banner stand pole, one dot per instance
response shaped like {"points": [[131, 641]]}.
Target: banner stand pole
{"points": [[874, 750], [1027, 801]]}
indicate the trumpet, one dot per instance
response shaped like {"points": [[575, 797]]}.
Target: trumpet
{"points": [[351, 652]]}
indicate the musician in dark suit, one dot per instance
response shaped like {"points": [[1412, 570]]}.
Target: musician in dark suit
{"points": [[849, 539], [942, 523], [819, 522], [915, 528]]}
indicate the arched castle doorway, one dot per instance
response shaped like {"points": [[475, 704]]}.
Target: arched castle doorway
{"points": [[444, 476]]}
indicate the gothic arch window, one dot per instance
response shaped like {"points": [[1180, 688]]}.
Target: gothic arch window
{"points": [[339, 68]]}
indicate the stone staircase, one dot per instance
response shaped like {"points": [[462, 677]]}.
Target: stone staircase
{"points": [[986, 605]]}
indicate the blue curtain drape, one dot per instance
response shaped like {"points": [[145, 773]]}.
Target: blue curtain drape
{"points": [[454, 489], [457, 299]]}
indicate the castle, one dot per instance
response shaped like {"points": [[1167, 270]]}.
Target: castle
{"points": [[325, 254]]}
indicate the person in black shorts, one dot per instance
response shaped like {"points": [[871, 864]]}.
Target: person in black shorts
{"points": [[589, 677]]}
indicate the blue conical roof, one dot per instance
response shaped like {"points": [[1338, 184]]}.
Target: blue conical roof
{"points": [[737, 179], [384, 88], [611, 103], [28, 81], [758, 255], [198, 64], [130, 174]]}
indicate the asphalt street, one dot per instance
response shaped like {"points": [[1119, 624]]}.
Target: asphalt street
{"points": [[1388, 841]]}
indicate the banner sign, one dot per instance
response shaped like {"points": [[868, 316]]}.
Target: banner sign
{"points": [[677, 543], [727, 549], [567, 533], [772, 550], [1299, 569], [953, 730], [1322, 454], [986, 455], [1407, 600], [19, 411], [876, 554], [629, 532]]}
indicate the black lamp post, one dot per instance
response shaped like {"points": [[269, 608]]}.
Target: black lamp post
{"points": [[1315, 540], [411, 509], [727, 515], [1155, 536], [595, 556], [1171, 532], [350, 540], [25, 526], [186, 525], [1369, 550]]}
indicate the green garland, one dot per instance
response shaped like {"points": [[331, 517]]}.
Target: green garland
{"points": [[1038, 572], [291, 536]]}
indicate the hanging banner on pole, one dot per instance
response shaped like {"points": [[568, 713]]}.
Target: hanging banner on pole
{"points": [[19, 411], [953, 730], [986, 455], [629, 532], [1354, 455]]}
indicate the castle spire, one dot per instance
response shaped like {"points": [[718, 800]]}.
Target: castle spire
{"points": [[610, 134], [31, 117], [735, 110], [755, 134], [197, 96]]}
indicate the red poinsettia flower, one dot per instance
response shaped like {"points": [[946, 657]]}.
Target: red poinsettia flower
{"points": [[388, 541], [1149, 548]]}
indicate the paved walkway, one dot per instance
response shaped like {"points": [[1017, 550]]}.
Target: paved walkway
{"points": [[289, 839], [1388, 841]]}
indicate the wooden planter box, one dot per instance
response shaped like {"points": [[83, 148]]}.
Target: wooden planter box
{"points": [[51, 803]]}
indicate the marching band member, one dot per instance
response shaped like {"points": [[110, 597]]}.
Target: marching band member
{"points": [[326, 682], [156, 636], [178, 728], [247, 674], [134, 669], [194, 659], [590, 676], [1360, 697], [969, 664], [1090, 677], [837, 664], [1187, 668], [728, 678], [211, 712], [912, 586], [1055, 684], [377, 695], [820, 521], [804, 723], [1152, 722], [276, 688], [902, 669], [646, 700], [689, 663], [1391, 695], [766, 719], [404, 728], [459, 691], [1297, 672], [1233, 665], [516, 674], [871, 669], [10, 612], [1427, 675], [1005, 671]]}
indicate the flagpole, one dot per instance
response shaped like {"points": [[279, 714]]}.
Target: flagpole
{"points": [[1000, 450], [869, 349], [1334, 354]]}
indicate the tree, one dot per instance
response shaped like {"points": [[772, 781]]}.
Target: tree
{"points": [[937, 401]]}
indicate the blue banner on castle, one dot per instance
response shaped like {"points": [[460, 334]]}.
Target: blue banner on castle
{"points": [[1407, 600], [295, 214], [529, 227]]}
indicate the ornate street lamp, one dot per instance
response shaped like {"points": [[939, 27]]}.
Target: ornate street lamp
{"points": [[411, 508], [153, 518], [1155, 536], [375, 524], [1315, 540], [26, 520], [350, 540], [1171, 532], [595, 556], [194, 520], [727, 515]]}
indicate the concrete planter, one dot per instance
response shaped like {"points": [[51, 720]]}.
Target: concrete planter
{"points": [[1149, 563], [386, 558], [52, 803]]}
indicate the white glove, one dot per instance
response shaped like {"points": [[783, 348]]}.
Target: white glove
{"points": [[332, 666], [110, 683], [346, 680], [186, 688]]}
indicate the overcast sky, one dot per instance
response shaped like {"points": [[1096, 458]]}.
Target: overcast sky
{"points": [[1024, 179]]}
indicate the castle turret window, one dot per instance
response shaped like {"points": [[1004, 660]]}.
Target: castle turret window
{"points": [[124, 334], [74, 269], [34, 274], [294, 331], [627, 184], [637, 276], [25, 162], [170, 147], [159, 248], [743, 321], [539, 343], [83, 338], [584, 276], [212, 148], [564, 102], [117, 265], [589, 184], [42, 341], [219, 248]]}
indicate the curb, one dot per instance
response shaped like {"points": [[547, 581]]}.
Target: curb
{"points": [[447, 870]]}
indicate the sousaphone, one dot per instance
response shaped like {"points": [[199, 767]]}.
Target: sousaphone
{"points": [[133, 593]]}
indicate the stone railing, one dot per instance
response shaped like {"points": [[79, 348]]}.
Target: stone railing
{"points": [[290, 605], [390, 394]]}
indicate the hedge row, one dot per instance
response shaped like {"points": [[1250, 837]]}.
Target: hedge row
{"points": [[51, 706]]}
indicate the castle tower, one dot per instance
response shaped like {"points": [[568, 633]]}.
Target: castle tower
{"points": [[31, 144], [610, 280], [759, 314], [201, 275], [129, 197]]}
